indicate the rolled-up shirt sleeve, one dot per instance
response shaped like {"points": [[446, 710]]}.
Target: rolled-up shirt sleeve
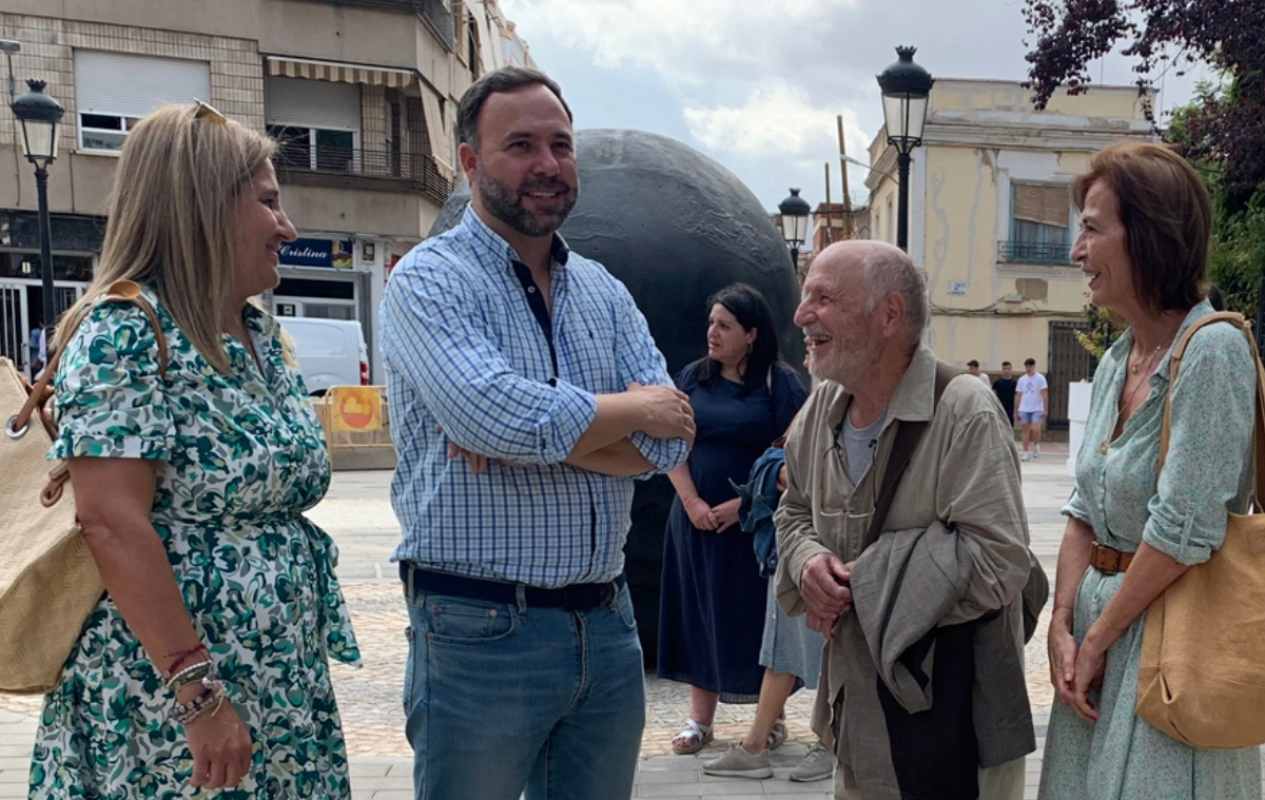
{"points": [[639, 361], [434, 338], [1075, 507], [1209, 461]]}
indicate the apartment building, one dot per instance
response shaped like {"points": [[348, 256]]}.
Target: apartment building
{"points": [[361, 94], [991, 219], [495, 38]]}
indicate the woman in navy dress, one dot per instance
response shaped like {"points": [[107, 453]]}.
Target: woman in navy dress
{"points": [[712, 598]]}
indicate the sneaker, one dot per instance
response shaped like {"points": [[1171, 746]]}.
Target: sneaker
{"points": [[817, 765], [1026, 456], [738, 763]]}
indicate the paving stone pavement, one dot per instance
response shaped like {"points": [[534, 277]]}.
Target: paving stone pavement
{"points": [[358, 516]]}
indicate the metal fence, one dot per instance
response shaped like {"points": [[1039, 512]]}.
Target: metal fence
{"points": [[418, 170], [1034, 252], [1067, 362]]}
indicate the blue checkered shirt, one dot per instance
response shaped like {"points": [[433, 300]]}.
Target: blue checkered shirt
{"points": [[468, 362]]}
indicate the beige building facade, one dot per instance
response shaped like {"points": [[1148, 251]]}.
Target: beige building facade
{"points": [[991, 219], [361, 95], [496, 38]]}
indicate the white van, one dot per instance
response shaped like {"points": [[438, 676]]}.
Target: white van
{"points": [[331, 352]]}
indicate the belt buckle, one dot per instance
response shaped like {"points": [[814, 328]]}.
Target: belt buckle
{"points": [[1115, 558], [586, 597]]}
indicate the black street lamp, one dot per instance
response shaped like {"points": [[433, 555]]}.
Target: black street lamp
{"points": [[793, 215], [39, 115], [905, 87]]}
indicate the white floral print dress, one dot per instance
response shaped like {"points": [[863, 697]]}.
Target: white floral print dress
{"points": [[241, 457]]}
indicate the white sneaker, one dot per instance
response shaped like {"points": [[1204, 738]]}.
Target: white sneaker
{"points": [[738, 763], [1026, 456], [817, 765]]}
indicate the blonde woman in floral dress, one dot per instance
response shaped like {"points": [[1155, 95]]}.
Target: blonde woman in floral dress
{"points": [[206, 664]]}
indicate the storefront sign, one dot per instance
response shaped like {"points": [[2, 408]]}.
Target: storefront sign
{"points": [[355, 409], [334, 253]]}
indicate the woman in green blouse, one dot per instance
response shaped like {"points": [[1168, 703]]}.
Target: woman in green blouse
{"points": [[1145, 220]]}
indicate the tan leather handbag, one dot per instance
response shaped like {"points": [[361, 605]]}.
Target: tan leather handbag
{"points": [[1202, 675], [49, 582]]}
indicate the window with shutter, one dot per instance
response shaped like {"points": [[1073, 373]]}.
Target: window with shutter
{"points": [[115, 90], [1039, 216]]}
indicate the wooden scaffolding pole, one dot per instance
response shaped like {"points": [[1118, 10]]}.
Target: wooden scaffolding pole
{"points": [[843, 170]]}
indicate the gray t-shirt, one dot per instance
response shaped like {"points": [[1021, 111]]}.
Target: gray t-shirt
{"points": [[858, 446]]}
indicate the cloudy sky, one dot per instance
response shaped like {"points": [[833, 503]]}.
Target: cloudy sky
{"points": [[757, 85]]}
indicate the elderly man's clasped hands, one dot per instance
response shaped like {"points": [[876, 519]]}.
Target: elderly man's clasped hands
{"points": [[824, 585]]}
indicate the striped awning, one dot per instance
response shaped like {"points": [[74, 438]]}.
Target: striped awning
{"points": [[281, 67]]}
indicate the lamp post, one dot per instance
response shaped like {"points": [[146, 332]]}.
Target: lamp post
{"points": [[793, 214], [39, 115], [905, 87]]}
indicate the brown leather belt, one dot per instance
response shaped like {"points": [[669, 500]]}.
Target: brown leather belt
{"points": [[1108, 560]]}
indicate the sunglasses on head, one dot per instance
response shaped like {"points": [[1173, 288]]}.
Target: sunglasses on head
{"points": [[207, 111]]}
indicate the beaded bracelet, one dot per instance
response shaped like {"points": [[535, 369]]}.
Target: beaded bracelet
{"points": [[186, 676], [208, 702]]}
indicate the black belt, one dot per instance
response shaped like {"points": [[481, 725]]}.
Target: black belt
{"points": [[576, 597]]}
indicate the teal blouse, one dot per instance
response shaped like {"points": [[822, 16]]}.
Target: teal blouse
{"points": [[1209, 468]]}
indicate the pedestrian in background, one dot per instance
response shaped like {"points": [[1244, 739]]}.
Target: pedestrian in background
{"points": [[790, 651], [525, 394], [37, 349], [1034, 407], [712, 596], [1004, 388], [972, 367], [1130, 532], [206, 663]]}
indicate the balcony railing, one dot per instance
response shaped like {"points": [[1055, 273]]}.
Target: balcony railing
{"points": [[418, 171], [1034, 252]]}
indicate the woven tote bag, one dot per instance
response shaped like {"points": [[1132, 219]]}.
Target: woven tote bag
{"points": [[48, 579]]}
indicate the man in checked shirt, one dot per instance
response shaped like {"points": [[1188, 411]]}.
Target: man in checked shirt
{"points": [[526, 395]]}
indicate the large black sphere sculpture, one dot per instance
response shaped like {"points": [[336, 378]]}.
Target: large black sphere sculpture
{"points": [[674, 226]]}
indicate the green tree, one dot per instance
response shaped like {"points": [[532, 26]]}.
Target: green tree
{"points": [[1224, 128], [1236, 263], [1103, 330], [1222, 131]]}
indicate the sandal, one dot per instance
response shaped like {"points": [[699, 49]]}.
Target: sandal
{"points": [[692, 738], [777, 735]]}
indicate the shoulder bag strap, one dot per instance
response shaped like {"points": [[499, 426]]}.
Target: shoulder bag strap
{"points": [[119, 291], [908, 435], [1175, 362]]}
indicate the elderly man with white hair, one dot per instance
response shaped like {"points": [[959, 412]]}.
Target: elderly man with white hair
{"points": [[904, 539]]}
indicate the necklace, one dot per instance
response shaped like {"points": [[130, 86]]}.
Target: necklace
{"points": [[1126, 401], [1135, 368]]}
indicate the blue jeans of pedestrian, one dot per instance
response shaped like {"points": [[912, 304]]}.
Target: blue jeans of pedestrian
{"points": [[499, 698]]}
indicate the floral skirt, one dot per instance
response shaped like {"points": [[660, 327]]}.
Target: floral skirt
{"points": [[268, 607]]}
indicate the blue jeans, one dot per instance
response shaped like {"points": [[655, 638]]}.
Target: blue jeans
{"points": [[502, 697]]}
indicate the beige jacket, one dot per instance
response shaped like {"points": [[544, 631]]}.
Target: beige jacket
{"points": [[964, 474]]}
